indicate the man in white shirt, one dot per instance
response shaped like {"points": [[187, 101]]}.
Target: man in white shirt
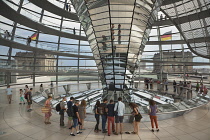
{"points": [[9, 94], [120, 109]]}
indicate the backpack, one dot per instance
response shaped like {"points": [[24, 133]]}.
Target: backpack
{"points": [[58, 107], [101, 109], [70, 112]]}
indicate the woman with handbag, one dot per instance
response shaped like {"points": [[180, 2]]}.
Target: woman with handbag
{"points": [[137, 117], [48, 114], [152, 112]]}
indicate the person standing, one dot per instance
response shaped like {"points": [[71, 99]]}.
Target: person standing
{"points": [[61, 113], [9, 94], [28, 40], [48, 114], [181, 87], [29, 100], [151, 83], [110, 116], [74, 31], [26, 89], [41, 89], [158, 85], [67, 7], [205, 91], [201, 88], [6, 34], [152, 113], [82, 113], [76, 120], [137, 117], [97, 116], [174, 85], [120, 109], [197, 87], [161, 17], [21, 97], [189, 90], [70, 111], [147, 83], [189, 85], [102, 111], [166, 84], [51, 84]]}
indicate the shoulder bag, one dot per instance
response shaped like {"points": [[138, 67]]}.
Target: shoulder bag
{"points": [[138, 117], [116, 112]]}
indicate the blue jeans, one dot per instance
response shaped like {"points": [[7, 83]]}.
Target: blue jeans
{"points": [[97, 116], [75, 120], [104, 119]]}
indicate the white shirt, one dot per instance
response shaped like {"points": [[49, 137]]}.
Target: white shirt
{"points": [[9, 91], [121, 108]]}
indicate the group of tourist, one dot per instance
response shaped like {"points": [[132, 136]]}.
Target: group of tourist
{"points": [[25, 96], [181, 85], [201, 89], [6, 34], [113, 113], [148, 83], [75, 110]]}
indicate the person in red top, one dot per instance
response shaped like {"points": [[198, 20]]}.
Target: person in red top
{"points": [[205, 91]]}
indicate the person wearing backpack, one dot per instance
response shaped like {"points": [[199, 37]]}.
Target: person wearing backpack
{"points": [[119, 109], [103, 112], [97, 116], [70, 111], [48, 114], [62, 110]]}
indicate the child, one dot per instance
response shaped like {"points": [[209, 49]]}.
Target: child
{"points": [[21, 97]]}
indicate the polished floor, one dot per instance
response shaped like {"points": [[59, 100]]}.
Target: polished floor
{"points": [[17, 124]]}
